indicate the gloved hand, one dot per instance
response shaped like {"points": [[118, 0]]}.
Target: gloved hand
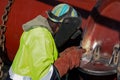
{"points": [[69, 59]]}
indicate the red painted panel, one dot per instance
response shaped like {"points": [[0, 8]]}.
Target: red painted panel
{"points": [[83, 4], [21, 12], [101, 32]]}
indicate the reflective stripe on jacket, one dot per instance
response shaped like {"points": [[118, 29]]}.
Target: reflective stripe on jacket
{"points": [[48, 76]]}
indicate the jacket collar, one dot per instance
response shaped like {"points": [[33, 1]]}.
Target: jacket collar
{"points": [[37, 21]]}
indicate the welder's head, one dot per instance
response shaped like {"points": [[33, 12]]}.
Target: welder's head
{"points": [[58, 14]]}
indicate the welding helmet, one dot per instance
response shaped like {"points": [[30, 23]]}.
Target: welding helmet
{"points": [[69, 21]]}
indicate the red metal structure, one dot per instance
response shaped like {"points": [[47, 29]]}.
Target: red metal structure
{"points": [[103, 29], [100, 18]]}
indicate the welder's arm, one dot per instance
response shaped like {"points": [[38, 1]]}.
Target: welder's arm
{"points": [[69, 59]]}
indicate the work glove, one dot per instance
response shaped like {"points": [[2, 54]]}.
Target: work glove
{"points": [[70, 58]]}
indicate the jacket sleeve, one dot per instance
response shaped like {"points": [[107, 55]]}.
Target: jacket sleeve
{"points": [[52, 74], [55, 75]]}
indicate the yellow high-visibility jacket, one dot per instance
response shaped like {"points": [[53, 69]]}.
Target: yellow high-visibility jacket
{"points": [[36, 54]]}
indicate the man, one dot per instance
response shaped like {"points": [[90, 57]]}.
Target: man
{"points": [[37, 56]]}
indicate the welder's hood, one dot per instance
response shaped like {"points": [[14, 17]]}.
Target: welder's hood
{"points": [[69, 29]]}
